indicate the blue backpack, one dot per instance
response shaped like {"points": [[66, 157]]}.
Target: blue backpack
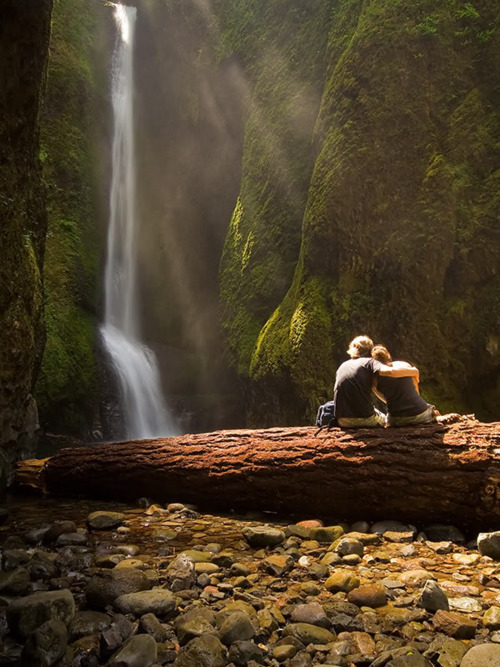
{"points": [[325, 416]]}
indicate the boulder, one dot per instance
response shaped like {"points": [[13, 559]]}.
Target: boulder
{"points": [[138, 651], [107, 585], [46, 645], [25, 615], [158, 601], [204, 651]]}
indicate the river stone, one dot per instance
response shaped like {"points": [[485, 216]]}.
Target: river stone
{"points": [[88, 623], [342, 580], [488, 544], [438, 532], [192, 625], [25, 615], [454, 625], [415, 578], [309, 634], [197, 556], [277, 564], [449, 652], [105, 520], [367, 539], [399, 537], [326, 534], [71, 539], [107, 585], [181, 570], [284, 652], [433, 597], [348, 546], [297, 530], [381, 527], [242, 652], [204, 651], [150, 625], [159, 601], [466, 605], [58, 528], [331, 558], [14, 558], [491, 618], [483, 655], [138, 651], [466, 559], [369, 595], [263, 536], [14, 582], [86, 650], [412, 660], [312, 613], [46, 645], [238, 626]]}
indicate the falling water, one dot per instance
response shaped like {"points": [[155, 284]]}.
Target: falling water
{"points": [[135, 364]]}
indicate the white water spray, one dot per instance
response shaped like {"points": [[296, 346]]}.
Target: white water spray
{"points": [[135, 364]]}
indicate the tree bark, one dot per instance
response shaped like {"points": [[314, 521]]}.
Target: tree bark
{"points": [[432, 473]]}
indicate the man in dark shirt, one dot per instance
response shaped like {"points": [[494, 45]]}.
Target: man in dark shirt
{"points": [[405, 406], [353, 385]]}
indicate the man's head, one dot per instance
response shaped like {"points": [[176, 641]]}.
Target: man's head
{"points": [[382, 354], [361, 346]]}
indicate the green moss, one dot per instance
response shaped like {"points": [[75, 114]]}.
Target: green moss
{"points": [[67, 388]]}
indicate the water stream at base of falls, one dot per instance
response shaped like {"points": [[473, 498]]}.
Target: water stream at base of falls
{"points": [[135, 364]]}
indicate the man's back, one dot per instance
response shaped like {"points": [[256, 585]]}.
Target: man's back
{"points": [[353, 384]]}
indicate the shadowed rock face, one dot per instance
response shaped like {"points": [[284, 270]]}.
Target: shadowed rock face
{"points": [[24, 42]]}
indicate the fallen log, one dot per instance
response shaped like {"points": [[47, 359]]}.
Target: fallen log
{"points": [[432, 473]]}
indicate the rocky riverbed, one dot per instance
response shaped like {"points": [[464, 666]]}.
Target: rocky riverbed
{"points": [[88, 584]]}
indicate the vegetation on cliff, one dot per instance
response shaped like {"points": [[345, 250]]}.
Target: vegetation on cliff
{"points": [[24, 40], [400, 231], [67, 387]]}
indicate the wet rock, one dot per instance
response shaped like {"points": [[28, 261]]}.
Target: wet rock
{"points": [[309, 634], [438, 532], [237, 626], [109, 561], [319, 570], [263, 536], [488, 544], [181, 570], [197, 556], [194, 623], [331, 558], [14, 558], [312, 613], [86, 651], [483, 655], [301, 660], [25, 615], [204, 651], [446, 652], [440, 547], [367, 539], [415, 578], [56, 529], [433, 598], [42, 566], [206, 568], [114, 636], [277, 564], [71, 539], [342, 580], [150, 625], [491, 618], [351, 559], [88, 623], [284, 652], [14, 582], [454, 625], [381, 527], [158, 601], [466, 559], [411, 660], [138, 651], [465, 604], [347, 546], [107, 585], [242, 652], [127, 563], [369, 595], [104, 520], [45, 645], [399, 537], [326, 534]]}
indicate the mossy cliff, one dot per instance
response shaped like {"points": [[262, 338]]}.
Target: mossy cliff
{"points": [[400, 233], [24, 42], [74, 114]]}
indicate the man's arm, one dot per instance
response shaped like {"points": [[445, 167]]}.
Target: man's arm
{"points": [[399, 371]]}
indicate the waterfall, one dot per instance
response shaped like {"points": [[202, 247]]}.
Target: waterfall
{"points": [[135, 364]]}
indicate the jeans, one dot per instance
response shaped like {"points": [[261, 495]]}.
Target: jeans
{"points": [[425, 417], [376, 419]]}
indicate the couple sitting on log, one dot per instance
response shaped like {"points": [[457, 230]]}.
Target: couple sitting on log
{"points": [[371, 368]]}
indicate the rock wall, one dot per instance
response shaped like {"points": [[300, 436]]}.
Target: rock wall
{"points": [[24, 42], [75, 131], [400, 232]]}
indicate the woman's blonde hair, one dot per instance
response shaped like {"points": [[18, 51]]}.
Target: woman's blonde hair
{"points": [[361, 346], [382, 354]]}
